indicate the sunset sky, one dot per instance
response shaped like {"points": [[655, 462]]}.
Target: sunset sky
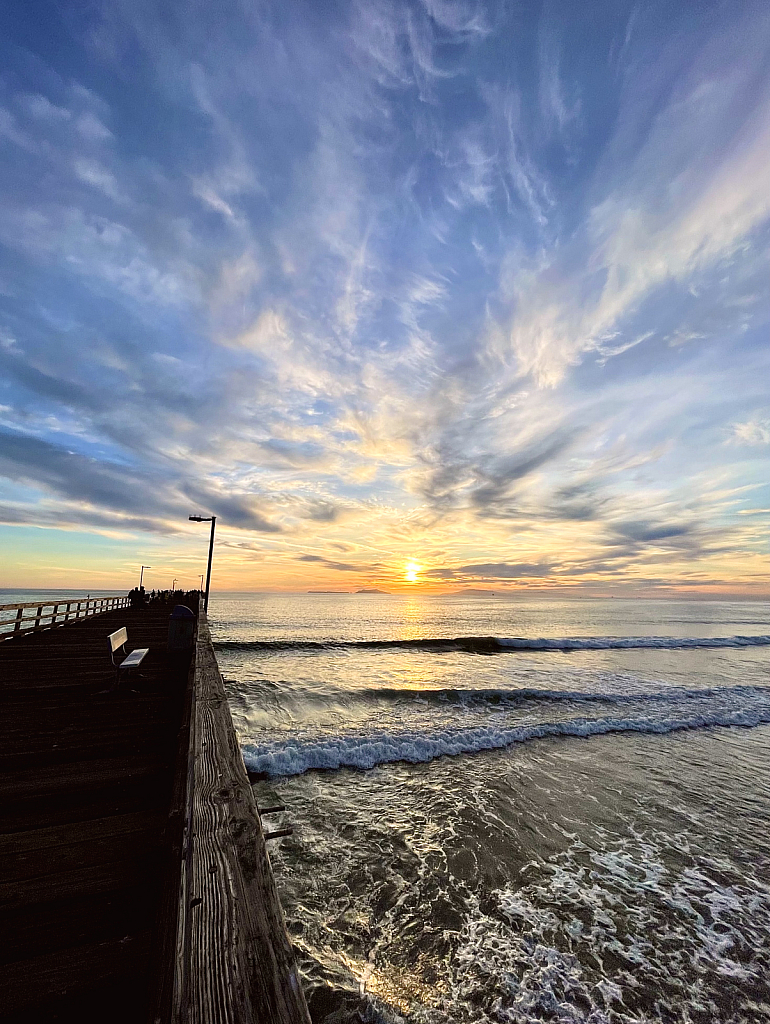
{"points": [[407, 294]]}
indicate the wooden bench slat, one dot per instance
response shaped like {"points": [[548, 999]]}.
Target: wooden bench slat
{"points": [[118, 638], [135, 658]]}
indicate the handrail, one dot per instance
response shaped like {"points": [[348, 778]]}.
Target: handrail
{"points": [[58, 600], [73, 609]]}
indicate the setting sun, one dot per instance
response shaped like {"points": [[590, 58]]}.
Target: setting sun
{"points": [[412, 569]]}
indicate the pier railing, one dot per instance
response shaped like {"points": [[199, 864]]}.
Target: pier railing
{"points": [[28, 616]]}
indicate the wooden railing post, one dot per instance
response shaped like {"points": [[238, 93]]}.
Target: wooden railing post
{"points": [[16, 621]]}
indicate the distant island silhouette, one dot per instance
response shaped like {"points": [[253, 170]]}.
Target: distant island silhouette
{"points": [[471, 592], [371, 590]]}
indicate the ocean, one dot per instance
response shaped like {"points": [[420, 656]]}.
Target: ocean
{"points": [[573, 826]]}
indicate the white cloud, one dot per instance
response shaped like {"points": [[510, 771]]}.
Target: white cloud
{"points": [[41, 107], [557, 110], [672, 216], [10, 130], [90, 127], [237, 278], [207, 195], [91, 172], [752, 432], [368, 200], [8, 343]]}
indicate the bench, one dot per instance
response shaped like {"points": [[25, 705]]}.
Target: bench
{"points": [[117, 642]]}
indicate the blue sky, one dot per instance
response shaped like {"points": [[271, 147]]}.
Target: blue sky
{"points": [[479, 286]]}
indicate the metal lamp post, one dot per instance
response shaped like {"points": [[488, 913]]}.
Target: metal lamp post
{"points": [[173, 585], [141, 574], [213, 521]]}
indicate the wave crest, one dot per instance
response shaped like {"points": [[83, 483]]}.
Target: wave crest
{"points": [[498, 645], [517, 695], [296, 756]]}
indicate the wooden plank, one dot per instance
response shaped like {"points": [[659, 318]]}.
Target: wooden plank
{"points": [[279, 833], [234, 960], [101, 877], [62, 718], [31, 981], [82, 774], [46, 851], [87, 831], [143, 793], [81, 920], [89, 782], [86, 782], [80, 747], [167, 923]]}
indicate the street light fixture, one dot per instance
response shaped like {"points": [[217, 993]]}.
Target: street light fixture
{"points": [[141, 574], [213, 521], [173, 585]]}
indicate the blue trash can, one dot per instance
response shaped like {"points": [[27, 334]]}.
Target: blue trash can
{"points": [[181, 629]]}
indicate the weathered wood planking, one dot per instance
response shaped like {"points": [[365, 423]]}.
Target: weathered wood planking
{"points": [[111, 805], [234, 963], [164, 951], [86, 778]]}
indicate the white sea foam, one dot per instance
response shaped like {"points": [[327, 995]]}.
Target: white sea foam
{"points": [[611, 643], [581, 942], [365, 750]]}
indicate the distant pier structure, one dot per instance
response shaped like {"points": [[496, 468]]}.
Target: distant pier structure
{"points": [[135, 884]]}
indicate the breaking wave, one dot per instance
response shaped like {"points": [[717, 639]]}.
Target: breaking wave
{"points": [[365, 750], [612, 643], [517, 695], [497, 645]]}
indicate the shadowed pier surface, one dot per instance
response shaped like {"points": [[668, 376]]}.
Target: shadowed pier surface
{"points": [[114, 807], [85, 792]]}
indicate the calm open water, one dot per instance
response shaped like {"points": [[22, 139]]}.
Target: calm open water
{"points": [[577, 834]]}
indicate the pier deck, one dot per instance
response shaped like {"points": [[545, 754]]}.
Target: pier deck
{"points": [[113, 807]]}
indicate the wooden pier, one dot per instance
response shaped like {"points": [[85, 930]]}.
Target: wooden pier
{"points": [[134, 879]]}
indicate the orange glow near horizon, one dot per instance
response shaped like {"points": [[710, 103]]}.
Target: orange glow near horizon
{"points": [[375, 556]]}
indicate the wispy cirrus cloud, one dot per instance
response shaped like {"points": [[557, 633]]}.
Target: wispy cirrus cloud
{"points": [[416, 279]]}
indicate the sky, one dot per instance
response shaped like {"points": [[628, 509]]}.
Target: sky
{"points": [[433, 294]]}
